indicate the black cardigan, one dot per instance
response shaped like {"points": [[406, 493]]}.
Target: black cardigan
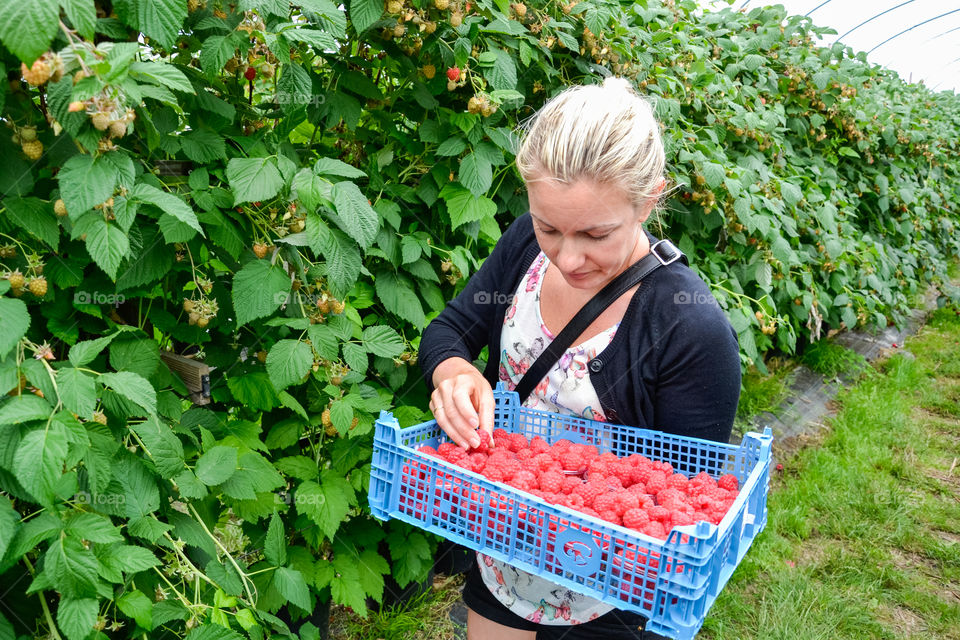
{"points": [[673, 364]]}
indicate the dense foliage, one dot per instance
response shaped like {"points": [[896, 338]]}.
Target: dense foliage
{"points": [[289, 193]]}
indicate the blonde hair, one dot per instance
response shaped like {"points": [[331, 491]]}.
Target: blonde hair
{"points": [[606, 132]]}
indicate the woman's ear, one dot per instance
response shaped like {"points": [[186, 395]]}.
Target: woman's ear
{"points": [[651, 201]]}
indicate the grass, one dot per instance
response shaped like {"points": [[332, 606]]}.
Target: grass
{"points": [[761, 392], [863, 532], [831, 360], [863, 535], [425, 617]]}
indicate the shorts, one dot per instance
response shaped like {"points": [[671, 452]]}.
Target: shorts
{"points": [[615, 625]]}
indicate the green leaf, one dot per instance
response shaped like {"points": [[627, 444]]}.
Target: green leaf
{"points": [[36, 217], [326, 503], [341, 414], [106, 243], [134, 559], [134, 388], [138, 606], [217, 465], [383, 341], [343, 262], [139, 355], [76, 617], [215, 51], [161, 19], [14, 322], [28, 26], [258, 289], [334, 167], [78, 391], [464, 207], [93, 527], [294, 87], [275, 544], [85, 182], [254, 390], [714, 174], [288, 362], [71, 568], [24, 409], [354, 213], [503, 75], [164, 446], [164, 74], [312, 191], [364, 13], [300, 467], [476, 174], [292, 586], [168, 203], [355, 356], [84, 352], [82, 15], [372, 568], [213, 632], [399, 297], [203, 146], [345, 586], [410, 555], [792, 194], [253, 179], [39, 460], [9, 519]]}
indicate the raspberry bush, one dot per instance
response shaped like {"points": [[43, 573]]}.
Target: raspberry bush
{"points": [[289, 192]]}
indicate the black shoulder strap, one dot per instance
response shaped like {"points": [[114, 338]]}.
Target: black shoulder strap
{"points": [[662, 252]]}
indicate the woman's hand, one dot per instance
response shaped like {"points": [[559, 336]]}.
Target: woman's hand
{"points": [[462, 401]]}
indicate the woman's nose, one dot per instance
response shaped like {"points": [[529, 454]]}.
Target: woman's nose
{"points": [[569, 258]]}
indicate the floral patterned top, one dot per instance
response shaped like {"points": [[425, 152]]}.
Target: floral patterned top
{"points": [[565, 389]]}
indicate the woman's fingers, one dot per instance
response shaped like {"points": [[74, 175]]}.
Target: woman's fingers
{"points": [[453, 403], [487, 405]]}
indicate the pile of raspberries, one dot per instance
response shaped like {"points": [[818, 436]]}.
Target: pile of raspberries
{"points": [[635, 492]]}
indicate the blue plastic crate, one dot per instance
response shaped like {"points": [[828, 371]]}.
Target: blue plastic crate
{"points": [[672, 582]]}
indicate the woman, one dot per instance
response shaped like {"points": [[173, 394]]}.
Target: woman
{"points": [[662, 356]]}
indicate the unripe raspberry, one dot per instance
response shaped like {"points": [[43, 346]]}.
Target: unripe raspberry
{"points": [[430, 27], [394, 7], [260, 249], [441, 4], [33, 149], [451, 85], [456, 19], [193, 317], [429, 71], [337, 307], [38, 73], [76, 106], [262, 355], [118, 129], [38, 286], [203, 321], [474, 104], [399, 30], [520, 9], [28, 134], [59, 207], [100, 417], [16, 280], [100, 120], [267, 70]]}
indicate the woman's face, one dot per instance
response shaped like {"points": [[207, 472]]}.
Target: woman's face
{"points": [[590, 231]]}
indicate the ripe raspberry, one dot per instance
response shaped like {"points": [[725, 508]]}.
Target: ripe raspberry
{"points": [[589, 491], [539, 445], [597, 467], [551, 481], [511, 467], [33, 149], [670, 494], [427, 450], [678, 481], [516, 442], [570, 483], [560, 446], [611, 517], [544, 461], [655, 530], [453, 74], [484, 445], [666, 467], [625, 501], [623, 471], [729, 482], [637, 460], [681, 518], [656, 483], [605, 502], [524, 480], [573, 501], [571, 461], [525, 454], [38, 286], [250, 73], [493, 472], [636, 519], [640, 474], [658, 513], [499, 435]]}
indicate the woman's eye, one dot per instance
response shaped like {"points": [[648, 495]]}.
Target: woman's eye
{"points": [[603, 237]]}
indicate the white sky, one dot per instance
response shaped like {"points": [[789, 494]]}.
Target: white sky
{"points": [[924, 35]]}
